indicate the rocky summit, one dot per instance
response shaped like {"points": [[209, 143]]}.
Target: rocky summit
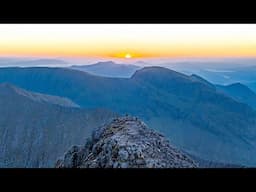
{"points": [[125, 142]]}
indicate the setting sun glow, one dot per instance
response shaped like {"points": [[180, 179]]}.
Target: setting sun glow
{"points": [[115, 40], [128, 56]]}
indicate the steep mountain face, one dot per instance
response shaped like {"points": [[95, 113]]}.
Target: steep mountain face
{"points": [[197, 78], [7, 88], [35, 130], [108, 69], [125, 143], [192, 114], [239, 92]]}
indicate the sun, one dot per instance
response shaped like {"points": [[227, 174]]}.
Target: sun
{"points": [[128, 56]]}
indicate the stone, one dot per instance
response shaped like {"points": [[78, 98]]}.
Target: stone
{"points": [[126, 142], [124, 165], [123, 155]]}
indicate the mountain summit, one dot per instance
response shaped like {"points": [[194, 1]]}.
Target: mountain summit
{"points": [[108, 69], [125, 142]]}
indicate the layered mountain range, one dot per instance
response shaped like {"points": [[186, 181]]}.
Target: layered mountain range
{"points": [[194, 114]]}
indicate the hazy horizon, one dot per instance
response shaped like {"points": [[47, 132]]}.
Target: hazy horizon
{"points": [[164, 62]]}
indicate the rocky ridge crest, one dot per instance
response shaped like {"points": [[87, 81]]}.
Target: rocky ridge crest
{"points": [[126, 142]]}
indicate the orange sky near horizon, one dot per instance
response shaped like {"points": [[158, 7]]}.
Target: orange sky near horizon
{"points": [[137, 40]]}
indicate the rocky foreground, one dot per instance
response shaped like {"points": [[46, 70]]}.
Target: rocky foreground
{"points": [[125, 143]]}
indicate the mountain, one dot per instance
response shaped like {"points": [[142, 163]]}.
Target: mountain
{"points": [[222, 72], [202, 163], [197, 78], [125, 143], [32, 62], [196, 117], [108, 69], [35, 130], [252, 86], [37, 97], [239, 92], [230, 75]]}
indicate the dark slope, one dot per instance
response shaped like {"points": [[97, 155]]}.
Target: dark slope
{"points": [[197, 78], [41, 98], [34, 133], [240, 93]]}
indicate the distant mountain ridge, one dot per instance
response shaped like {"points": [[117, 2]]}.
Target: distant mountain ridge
{"points": [[108, 69], [42, 98], [231, 75], [239, 92], [31, 62], [201, 80]]}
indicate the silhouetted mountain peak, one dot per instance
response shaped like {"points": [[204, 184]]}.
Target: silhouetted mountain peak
{"points": [[107, 63], [110, 64], [108, 69]]}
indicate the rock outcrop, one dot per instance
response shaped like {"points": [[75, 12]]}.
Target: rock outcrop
{"points": [[125, 143]]}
